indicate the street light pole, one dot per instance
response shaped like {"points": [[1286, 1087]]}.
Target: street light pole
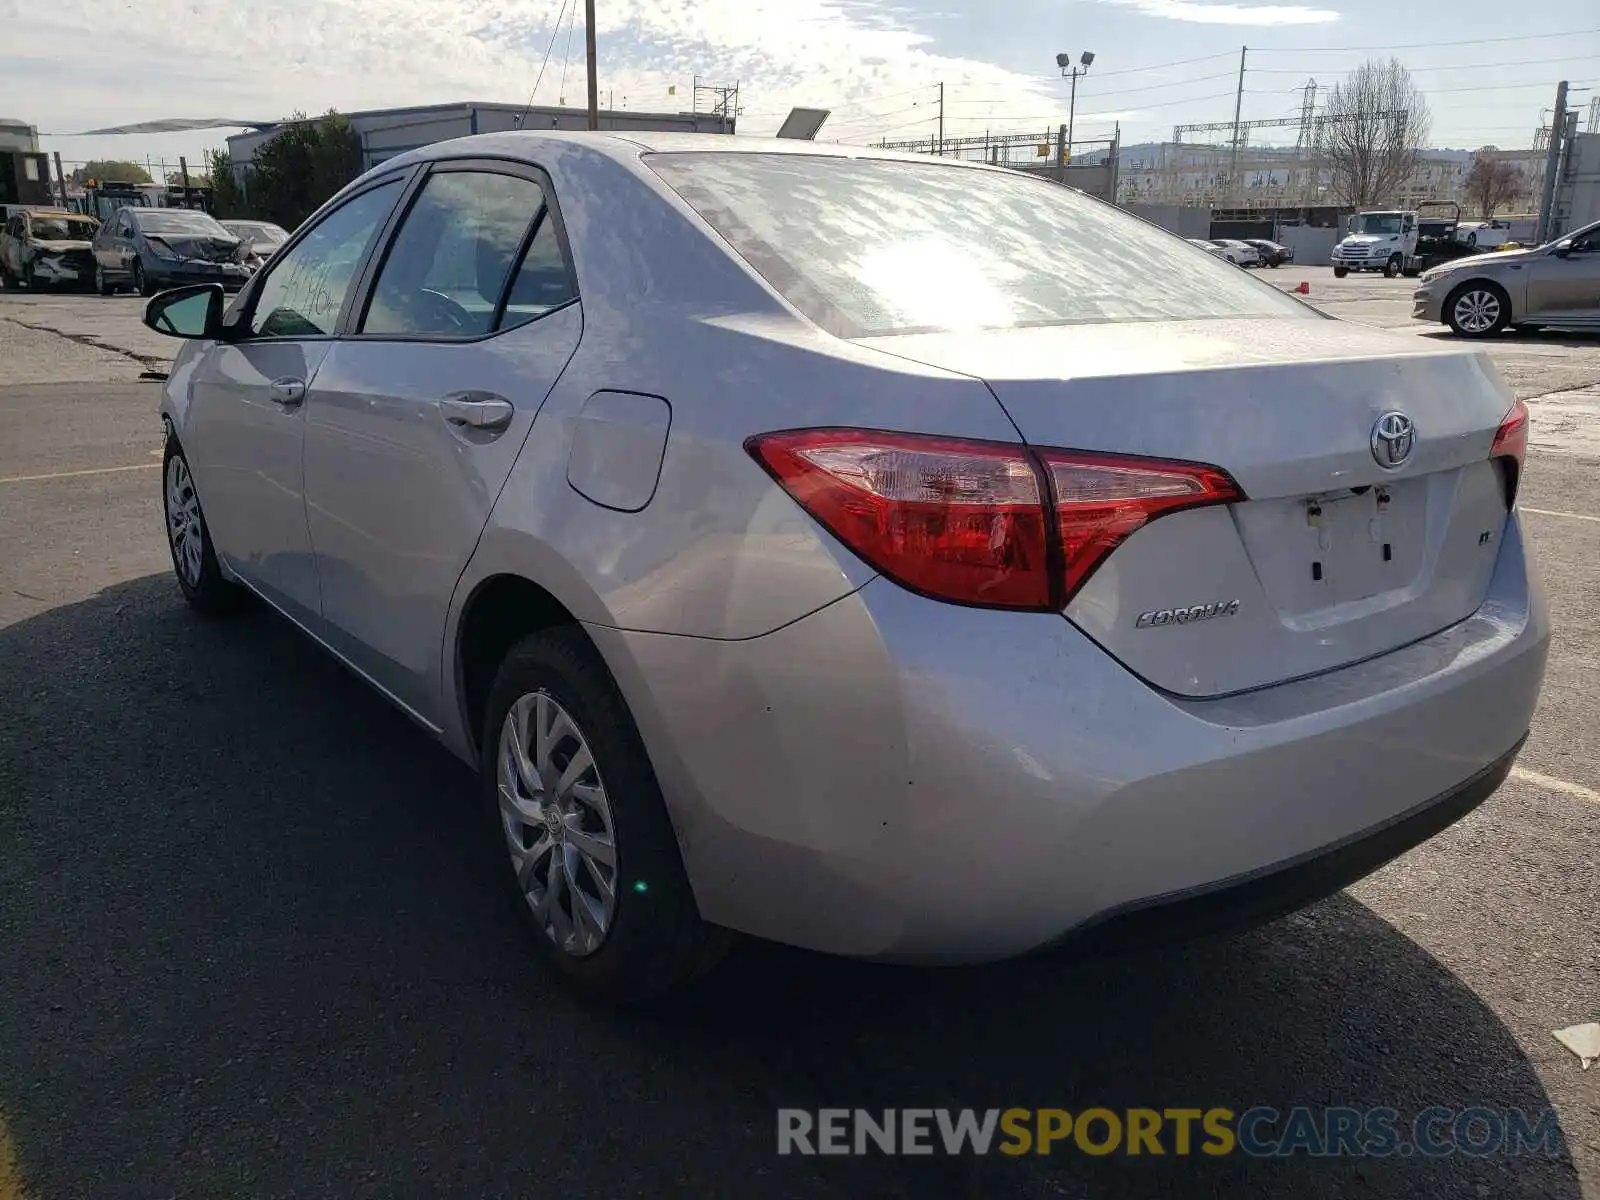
{"points": [[1072, 109], [1071, 70]]}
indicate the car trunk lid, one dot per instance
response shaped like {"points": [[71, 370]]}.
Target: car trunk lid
{"points": [[1332, 558]]}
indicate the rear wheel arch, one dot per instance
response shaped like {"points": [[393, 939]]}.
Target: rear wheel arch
{"points": [[501, 610]]}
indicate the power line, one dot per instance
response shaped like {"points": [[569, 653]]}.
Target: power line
{"points": [[1487, 87], [1118, 92], [1494, 66], [540, 77], [1182, 62], [1523, 37], [572, 25], [853, 104]]}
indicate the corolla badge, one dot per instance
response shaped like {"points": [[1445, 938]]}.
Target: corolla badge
{"points": [[1393, 436]]}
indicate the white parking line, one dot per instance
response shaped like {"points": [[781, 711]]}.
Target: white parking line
{"points": [[1552, 784], [1553, 512], [78, 474]]}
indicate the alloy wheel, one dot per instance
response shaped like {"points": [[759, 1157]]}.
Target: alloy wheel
{"points": [[557, 822], [1477, 311], [183, 521]]}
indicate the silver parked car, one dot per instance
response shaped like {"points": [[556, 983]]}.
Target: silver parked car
{"points": [[1555, 284], [899, 558]]}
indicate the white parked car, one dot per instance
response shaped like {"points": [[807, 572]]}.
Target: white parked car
{"points": [[1485, 235], [1210, 248], [1240, 254]]}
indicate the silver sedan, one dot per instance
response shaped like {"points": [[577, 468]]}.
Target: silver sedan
{"points": [[1557, 284], [899, 558]]}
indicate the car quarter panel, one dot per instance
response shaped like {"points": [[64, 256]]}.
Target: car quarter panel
{"points": [[720, 551]]}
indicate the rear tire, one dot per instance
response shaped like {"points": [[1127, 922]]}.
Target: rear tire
{"points": [[101, 284], [653, 939], [194, 561], [1477, 309]]}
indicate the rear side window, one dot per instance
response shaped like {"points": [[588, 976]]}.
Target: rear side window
{"points": [[864, 246]]}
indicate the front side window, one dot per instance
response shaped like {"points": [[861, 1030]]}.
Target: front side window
{"points": [[304, 290], [875, 246], [446, 271]]}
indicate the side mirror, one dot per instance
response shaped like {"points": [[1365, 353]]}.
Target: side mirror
{"points": [[187, 312]]}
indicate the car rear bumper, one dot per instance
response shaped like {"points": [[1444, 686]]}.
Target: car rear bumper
{"points": [[1271, 891], [896, 778]]}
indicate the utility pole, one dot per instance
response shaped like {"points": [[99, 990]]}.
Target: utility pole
{"points": [[61, 176], [1552, 164], [1061, 153], [941, 118], [588, 50], [1238, 103]]}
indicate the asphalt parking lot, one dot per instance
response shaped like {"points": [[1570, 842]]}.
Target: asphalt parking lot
{"points": [[249, 944]]}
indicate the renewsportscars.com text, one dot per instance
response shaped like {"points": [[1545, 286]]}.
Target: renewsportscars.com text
{"points": [[1259, 1132]]}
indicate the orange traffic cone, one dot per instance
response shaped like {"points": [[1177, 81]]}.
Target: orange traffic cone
{"points": [[1304, 289]]}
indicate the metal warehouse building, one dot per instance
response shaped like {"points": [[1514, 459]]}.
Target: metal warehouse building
{"points": [[387, 132]]}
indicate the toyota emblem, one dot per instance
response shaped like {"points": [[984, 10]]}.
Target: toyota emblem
{"points": [[1393, 435]]}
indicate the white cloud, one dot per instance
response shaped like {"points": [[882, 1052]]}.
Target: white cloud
{"points": [[166, 58], [1230, 14]]}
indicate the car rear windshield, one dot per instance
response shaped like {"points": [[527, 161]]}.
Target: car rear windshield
{"points": [[876, 246], [178, 220]]}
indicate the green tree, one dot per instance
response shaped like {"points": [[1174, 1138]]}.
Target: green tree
{"points": [[306, 161], [227, 197], [111, 171]]}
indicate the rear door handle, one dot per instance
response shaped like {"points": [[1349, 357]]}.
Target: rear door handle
{"points": [[477, 410], [287, 392]]}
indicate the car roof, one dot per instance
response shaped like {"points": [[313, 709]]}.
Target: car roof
{"points": [[627, 145]]}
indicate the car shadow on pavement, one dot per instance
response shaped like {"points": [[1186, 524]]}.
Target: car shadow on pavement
{"points": [[251, 945], [1571, 339]]}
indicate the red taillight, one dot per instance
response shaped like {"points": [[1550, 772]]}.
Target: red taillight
{"points": [[957, 520], [1101, 499], [1511, 442], [979, 523]]}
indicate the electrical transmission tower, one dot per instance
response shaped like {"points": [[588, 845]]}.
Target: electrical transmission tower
{"points": [[1305, 148], [717, 100]]}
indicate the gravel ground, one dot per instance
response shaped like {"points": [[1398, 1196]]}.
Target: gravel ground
{"points": [[250, 946]]}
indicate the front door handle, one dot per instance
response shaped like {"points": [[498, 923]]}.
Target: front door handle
{"points": [[477, 410], [287, 392]]}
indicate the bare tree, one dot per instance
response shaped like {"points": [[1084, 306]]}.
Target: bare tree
{"points": [[1370, 135], [1491, 181]]}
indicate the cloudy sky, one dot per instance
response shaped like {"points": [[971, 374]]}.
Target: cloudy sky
{"points": [[72, 65]]}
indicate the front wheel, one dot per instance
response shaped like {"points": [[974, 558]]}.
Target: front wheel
{"points": [[1477, 309], [141, 284], [1392, 268], [1340, 272], [194, 561], [592, 861]]}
